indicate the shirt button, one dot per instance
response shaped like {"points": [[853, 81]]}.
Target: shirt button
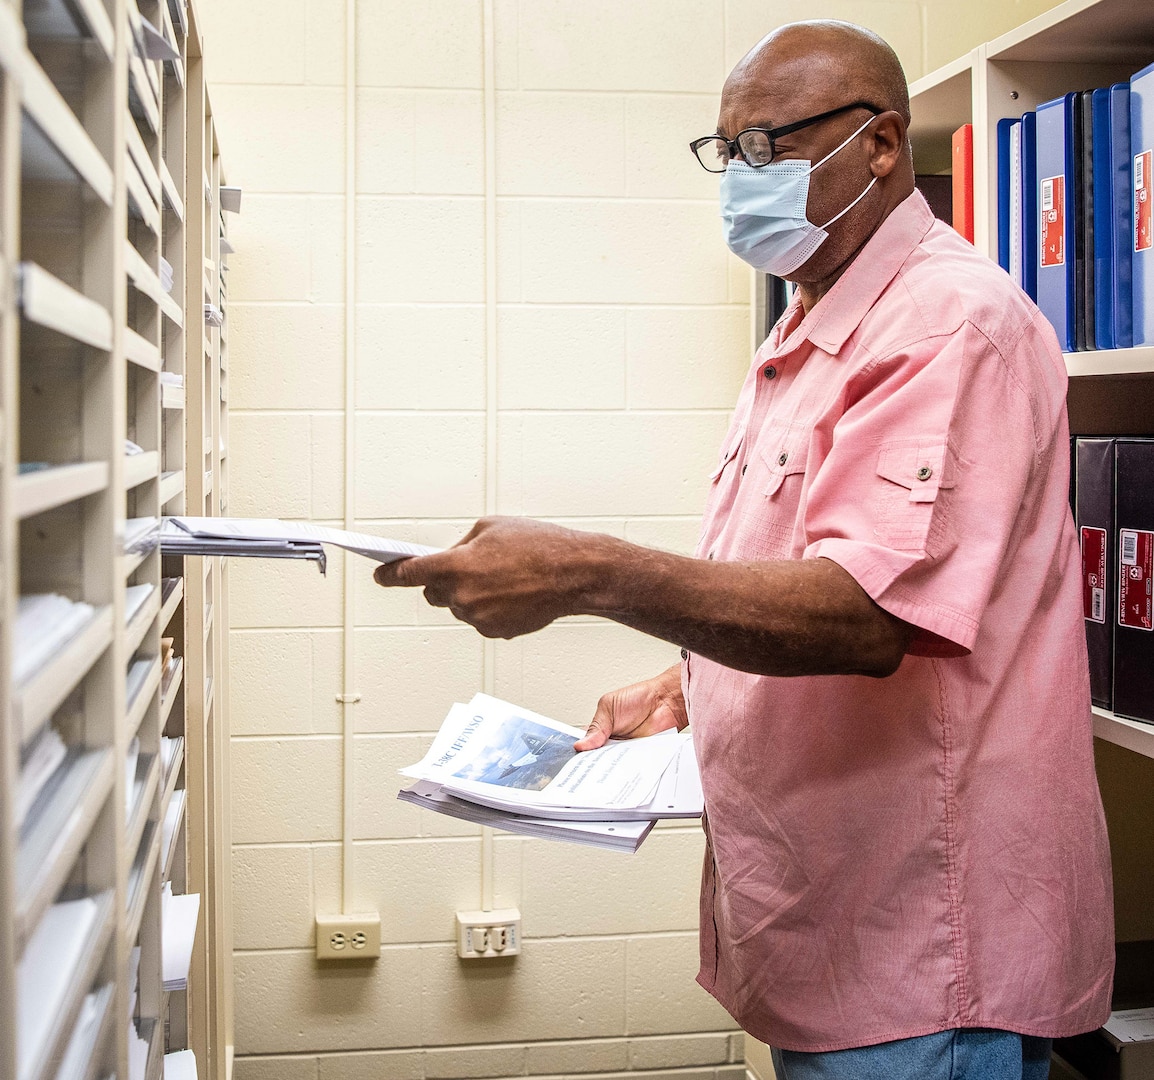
{"points": [[770, 372], [744, 467], [684, 654], [783, 458], [924, 473], [710, 555]]}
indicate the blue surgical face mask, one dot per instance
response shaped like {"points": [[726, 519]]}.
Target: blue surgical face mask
{"points": [[763, 211]]}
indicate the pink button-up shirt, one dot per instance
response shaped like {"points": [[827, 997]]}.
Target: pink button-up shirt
{"points": [[893, 857]]}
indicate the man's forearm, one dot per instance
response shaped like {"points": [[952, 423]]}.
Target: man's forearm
{"points": [[772, 618]]}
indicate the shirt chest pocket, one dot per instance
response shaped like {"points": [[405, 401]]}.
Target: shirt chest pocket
{"points": [[784, 450]]}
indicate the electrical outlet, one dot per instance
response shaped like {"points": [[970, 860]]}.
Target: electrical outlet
{"points": [[488, 934], [349, 937]]}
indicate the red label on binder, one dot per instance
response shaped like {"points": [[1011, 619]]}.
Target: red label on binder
{"points": [[1135, 576], [1052, 206], [1143, 210], [1094, 574]]}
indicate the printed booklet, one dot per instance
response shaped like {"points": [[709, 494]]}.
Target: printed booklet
{"points": [[518, 771]]}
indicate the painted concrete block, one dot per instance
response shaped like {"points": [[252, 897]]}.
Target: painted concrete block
{"points": [[420, 356], [561, 357], [291, 356], [270, 779], [592, 44]]}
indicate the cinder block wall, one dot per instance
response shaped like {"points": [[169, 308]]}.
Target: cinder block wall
{"points": [[622, 330]]}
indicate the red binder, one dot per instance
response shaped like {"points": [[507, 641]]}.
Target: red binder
{"points": [[963, 181]]}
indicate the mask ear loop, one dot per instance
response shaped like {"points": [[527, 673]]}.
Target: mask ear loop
{"points": [[831, 154], [842, 145], [851, 205]]}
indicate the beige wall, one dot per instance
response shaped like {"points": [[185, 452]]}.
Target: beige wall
{"points": [[622, 334]]}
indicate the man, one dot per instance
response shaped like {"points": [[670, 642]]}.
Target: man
{"points": [[907, 872]]}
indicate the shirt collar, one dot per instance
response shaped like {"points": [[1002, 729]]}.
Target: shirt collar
{"points": [[838, 314]]}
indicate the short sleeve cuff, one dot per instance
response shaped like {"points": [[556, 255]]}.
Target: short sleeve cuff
{"points": [[901, 582]]}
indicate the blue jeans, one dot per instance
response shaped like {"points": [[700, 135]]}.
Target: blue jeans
{"points": [[959, 1054]]}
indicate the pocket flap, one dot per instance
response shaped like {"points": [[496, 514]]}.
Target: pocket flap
{"points": [[923, 469], [784, 450], [728, 453]]}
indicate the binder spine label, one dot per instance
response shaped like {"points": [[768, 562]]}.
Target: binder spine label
{"points": [[1053, 220], [1135, 576], [1094, 574], [1143, 209]]}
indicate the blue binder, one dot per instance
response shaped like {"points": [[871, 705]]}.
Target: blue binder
{"points": [[1057, 242], [1142, 194], [1113, 223], [1005, 200], [1030, 205]]}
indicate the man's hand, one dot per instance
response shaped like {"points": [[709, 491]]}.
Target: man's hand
{"points": [[507, 577], [644, 708]]}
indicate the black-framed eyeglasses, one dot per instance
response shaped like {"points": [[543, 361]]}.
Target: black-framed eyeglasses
{"points": [[755, 146]]}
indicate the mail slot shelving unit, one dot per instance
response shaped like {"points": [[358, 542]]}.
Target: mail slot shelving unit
{"points": [[111, 791]]}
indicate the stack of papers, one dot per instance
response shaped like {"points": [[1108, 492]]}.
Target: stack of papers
{"points": [[496, 764], [180, 1065], [271, 538], [134, 598], [44, 623], [137, 1054], [74, 1064], [140, 534], [45, 756], [178, 917], [46, 972]]}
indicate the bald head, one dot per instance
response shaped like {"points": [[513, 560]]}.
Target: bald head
{"points": [[825, 63]]}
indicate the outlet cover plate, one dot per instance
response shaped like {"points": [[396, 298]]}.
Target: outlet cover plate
{"points": [[349, 937], [488, 934]]}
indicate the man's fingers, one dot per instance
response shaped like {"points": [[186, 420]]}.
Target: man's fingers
{"points": [[408, 572], [597, 733], [594, 738]]}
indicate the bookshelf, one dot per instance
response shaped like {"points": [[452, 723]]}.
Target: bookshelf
{"points": [[1074, 46], [113, 782]]}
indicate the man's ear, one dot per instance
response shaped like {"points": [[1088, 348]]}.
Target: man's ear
{"points": [[888, 138]]}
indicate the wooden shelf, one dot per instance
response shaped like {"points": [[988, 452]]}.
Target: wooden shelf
{"points": [[141, 93], [77, 20], [170, 691], [1132, 734], [170, 603], [140, 468], [171, 777], [138, 152], [171, 485], [138, 706], [172, 197], [35, 700], [140, 203], [147, 854], [141, 808], [138, 625], [173, 846], [1138, 361], [64, 133], [49, 488], [84, 976], [140, 351], [51, 842], [47, 301]]}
